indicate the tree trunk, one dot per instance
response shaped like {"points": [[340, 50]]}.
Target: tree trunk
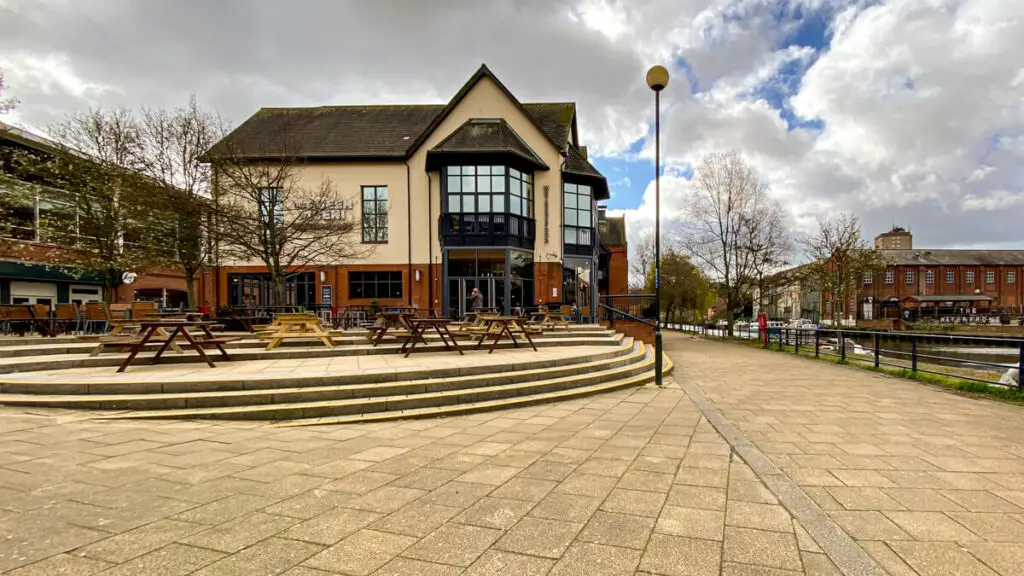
{"points": [[279, 289], [190, 288]]}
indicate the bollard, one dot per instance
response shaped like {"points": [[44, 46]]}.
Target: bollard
{"points": [[842, 345], [1020, 369], [796, 343], [878, 347], [817, 344]]}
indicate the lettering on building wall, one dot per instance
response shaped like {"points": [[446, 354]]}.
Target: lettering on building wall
{"points": [[547, 238]]}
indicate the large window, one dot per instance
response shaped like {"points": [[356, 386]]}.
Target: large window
{"points": [[488, 190], [867, 278], [909, 274], [254, 290], [950, 277], [1011, 276], [929, 277], [375, 285], [577, 214], [990, 277], [271, 204], [969, 276], [375, 214], [889, 276]]}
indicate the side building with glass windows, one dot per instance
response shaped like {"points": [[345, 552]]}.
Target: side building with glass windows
{"points": [[483, 192]]}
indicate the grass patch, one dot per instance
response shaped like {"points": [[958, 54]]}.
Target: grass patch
{"points": [[969, 387]]}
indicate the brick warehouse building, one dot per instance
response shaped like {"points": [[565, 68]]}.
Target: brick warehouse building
{"points": [[923, 282]]}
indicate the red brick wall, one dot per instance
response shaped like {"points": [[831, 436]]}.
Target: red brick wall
{"points": [[618, 270]]}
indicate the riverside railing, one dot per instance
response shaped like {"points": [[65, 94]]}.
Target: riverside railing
{"points": [[984, 359]]}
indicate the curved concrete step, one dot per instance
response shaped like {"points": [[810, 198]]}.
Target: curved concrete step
{"points": [[126, 384], [339, 391], [501, 404], [405, 402]]}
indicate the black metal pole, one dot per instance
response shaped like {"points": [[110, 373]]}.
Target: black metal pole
{"points": [[657, 237]]}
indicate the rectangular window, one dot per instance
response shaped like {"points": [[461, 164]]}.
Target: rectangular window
{"points": [[375, 285], [950, 277], [577, 214], [889, 276], [375, 214], [272, 204], [969, 276], [868, 279], [990, 277], [1011, 276], [909, 276], [929, 277]]}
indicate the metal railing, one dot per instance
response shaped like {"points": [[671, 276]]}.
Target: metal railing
{"points": [[949, 355], [635, 305], [487, 230]]}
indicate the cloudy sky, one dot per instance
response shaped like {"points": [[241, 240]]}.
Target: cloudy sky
{"points": [[907, 112]]}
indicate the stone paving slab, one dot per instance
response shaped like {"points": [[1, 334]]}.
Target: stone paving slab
{"points": [[926, 481], [632, 482]]}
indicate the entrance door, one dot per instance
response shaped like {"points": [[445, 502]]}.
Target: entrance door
{"points": [[460, 289]]}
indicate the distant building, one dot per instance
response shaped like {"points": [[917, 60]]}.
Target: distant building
{"points": [[896, 239], [613, 267]]}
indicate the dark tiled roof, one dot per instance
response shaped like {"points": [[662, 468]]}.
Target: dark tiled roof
{"points": [[951, 298], [554, 118], [925, 257], [488, 135], [612, 231], [575, 163], [333, 131]]}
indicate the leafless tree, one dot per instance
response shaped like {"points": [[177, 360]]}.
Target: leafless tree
{"points": [[6, 104], [840, 260], [98, 213], [267, 211], [173, 142], [769, 244], [730, 227], [642, 260]]}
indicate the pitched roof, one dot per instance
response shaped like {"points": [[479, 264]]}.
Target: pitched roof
{"points": [[488, 135], [612, 231], [382, 131], [943, 257], [333, 131]]}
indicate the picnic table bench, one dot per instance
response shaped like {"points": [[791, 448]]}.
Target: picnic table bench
{"points": [[419, 326], [291, 325], [149, 333], [499, 327]]}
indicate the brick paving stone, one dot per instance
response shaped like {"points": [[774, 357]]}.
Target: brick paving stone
{"points": [[868, 525], [634, 502], [585, 559], [931, 526], [497, 562], [760, 516], [331, 526], [64, 564], [416, 519], [617, 530], [539, 537], [497, 513], [691, 522], [361, 553], [171, 560], [568, 507], [761, 548], [527, 489], [408, 567], [455, 544], [677, 556], [270, 556], [940, 559], [701, 497]]}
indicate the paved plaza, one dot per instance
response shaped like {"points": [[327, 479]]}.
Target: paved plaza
{"points": [[746, 463]]}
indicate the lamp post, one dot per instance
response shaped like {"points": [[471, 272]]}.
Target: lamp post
{"points": [[657, 79]]}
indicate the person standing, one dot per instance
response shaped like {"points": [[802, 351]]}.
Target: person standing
{"points": [[476, 300]]}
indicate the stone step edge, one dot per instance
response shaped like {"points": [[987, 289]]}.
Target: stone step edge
{"points": [[246, 355], [124, 382], [486, 405], [252, 412], [95, 401]]}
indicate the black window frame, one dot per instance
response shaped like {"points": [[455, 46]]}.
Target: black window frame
{"points": [[582, 235], [370, 284], [373, 232], [474, 182]]}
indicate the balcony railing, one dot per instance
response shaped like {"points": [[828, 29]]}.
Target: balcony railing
{"points": [[487, 230]]}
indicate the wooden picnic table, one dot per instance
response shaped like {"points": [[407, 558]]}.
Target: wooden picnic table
{"points": [[150, 328], [295, 325], [387, 321], [499, 327], [420, 325], [116, 338]]}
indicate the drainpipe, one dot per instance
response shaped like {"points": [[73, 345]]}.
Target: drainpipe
{"points": [[408, 221], [430, 246]]}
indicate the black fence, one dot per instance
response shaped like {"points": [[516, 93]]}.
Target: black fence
{"points": [[625, 305], [984, 359]]}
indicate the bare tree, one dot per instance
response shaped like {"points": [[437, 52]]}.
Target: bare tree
{"points": [[642, 260], [6, 104], [768, 241], [267, 211], [173, 142], [727, 230], [95, 208], [840, 260]]}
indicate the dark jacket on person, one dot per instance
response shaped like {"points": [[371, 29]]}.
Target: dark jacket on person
{"points": [[476, 301]]}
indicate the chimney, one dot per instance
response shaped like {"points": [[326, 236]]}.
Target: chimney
{"points": [[602, 211], [583, 152]]}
